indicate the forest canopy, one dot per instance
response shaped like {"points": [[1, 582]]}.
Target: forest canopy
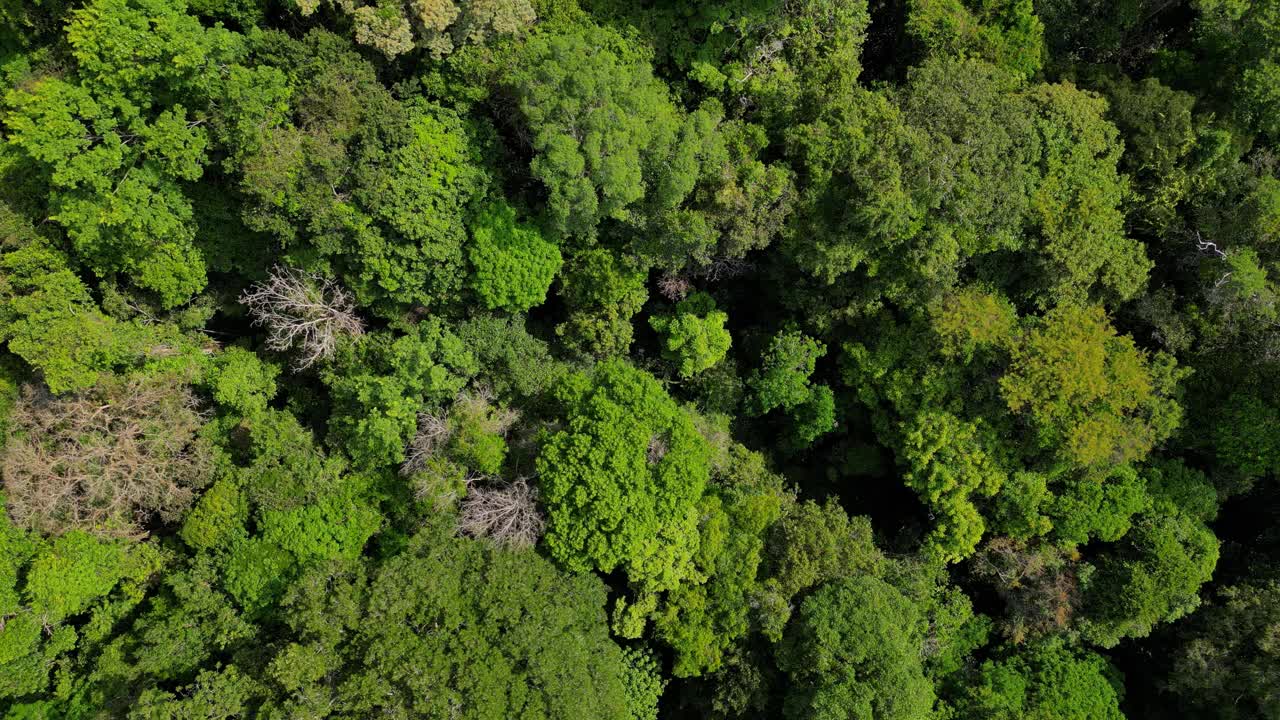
{"points": [[571, 359]]}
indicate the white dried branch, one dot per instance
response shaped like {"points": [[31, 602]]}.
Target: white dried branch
{"points": [[1208, 247], [433, 433], [506, 515], [303, 311]]}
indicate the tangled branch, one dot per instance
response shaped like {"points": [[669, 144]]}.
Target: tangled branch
{"points": [[437, 428], [433, 433], [674, 287]]}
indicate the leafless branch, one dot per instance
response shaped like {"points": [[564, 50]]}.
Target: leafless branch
{"points": [[723, 268], [1038, 584], [657, 449], [1208, 247], [433, 433], [674, 287], [437, 428]]}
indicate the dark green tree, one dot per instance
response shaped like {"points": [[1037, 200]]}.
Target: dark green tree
{"points": [[604, 128], [622, 482], [1226, 665], [499, 632], [1047, 680], [853, 651]]}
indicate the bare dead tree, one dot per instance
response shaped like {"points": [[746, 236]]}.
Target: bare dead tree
{"points": [[674, 287], [303, 311], [507, 515], [724, 268], [106, 460], [657, 449], [478, 402], [433, 433]]}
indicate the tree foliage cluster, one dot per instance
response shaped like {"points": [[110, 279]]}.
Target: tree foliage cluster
{"points": [[551, 359]]}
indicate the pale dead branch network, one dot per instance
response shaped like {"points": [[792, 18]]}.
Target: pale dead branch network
{"points": [[506, 514], [303, 312]]}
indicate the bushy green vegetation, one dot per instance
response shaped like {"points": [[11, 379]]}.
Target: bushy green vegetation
{"points": [[571, 359]]}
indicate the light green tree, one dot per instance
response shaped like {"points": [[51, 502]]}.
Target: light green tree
{"points": [[694, 337], [1153, 576], [278, 506], [49, 319], [114, 157], [1091, 392], [408, 234], [47, 586], [623, 479], [513, 264], [603, 292], [704, 616], [782, 381]]}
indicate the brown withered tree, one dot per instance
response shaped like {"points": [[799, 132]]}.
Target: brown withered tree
{"points": [[1037, 583], [108, 460]]}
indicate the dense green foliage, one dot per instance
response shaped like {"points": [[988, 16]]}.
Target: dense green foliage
{"points": [[561, 359], [695, 336], [1044, 681], [853, 652], [514, 265]]}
